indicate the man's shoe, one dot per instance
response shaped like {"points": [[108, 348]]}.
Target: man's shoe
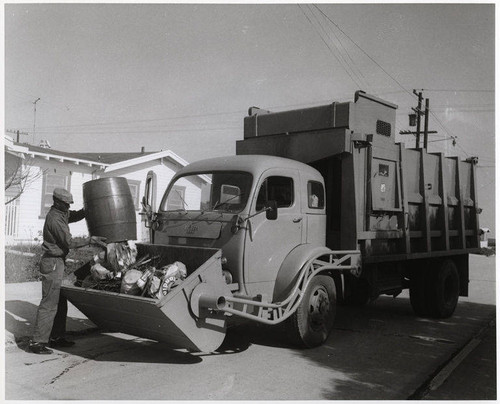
{"points": [[39, 348], [60, 342]]}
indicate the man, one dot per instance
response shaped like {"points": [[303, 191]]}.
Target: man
{"points": [[50, 323]]}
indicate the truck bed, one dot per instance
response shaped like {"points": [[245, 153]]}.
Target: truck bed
{"points": [[169, 319]]}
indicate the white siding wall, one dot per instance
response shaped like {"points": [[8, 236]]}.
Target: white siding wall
{"points": [[30, 203]]}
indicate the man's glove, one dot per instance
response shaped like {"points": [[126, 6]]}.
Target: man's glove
{"points": [[98, 240]]}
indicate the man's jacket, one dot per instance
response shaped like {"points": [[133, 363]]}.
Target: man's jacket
{"points": [[56, 235]]}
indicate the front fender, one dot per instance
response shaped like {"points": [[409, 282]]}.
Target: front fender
{"points": [[291, 266]]}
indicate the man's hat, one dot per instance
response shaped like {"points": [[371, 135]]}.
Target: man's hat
{"points": [[63, 195]]}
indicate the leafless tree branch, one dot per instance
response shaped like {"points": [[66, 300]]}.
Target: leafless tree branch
{"points": [[18, 177]]}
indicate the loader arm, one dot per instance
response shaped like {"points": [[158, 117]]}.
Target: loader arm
{"points": [[340, 262]]}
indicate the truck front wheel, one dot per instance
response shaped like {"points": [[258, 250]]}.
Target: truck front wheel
{"points": [[313, 320]]}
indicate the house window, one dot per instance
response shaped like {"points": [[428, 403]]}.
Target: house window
{"points": [[52, 181], [315, 195], [176, 198], [12, 218], [135, 187]]}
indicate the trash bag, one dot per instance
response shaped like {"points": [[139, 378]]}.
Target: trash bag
{"points": [[121, 256], [177, 269], [99, 273], [154, 286]]}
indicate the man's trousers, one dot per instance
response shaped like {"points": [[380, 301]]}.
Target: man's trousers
{"points": [[50, 319]]}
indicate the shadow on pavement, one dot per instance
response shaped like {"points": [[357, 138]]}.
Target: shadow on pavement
{"points": [[20, 315], [381, 350]]}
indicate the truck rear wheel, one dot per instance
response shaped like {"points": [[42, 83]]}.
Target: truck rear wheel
{"points": [[444, 289], [419, 284], [313, 320]]}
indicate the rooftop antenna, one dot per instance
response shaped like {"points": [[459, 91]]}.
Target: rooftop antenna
{"points": [[34, 118]]}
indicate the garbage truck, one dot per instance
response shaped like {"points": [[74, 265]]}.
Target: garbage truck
{"points": [[320, 206]]}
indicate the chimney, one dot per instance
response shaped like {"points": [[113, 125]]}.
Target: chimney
{"points": [[44, 143], [143, 149]]}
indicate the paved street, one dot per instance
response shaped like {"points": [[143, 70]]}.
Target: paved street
{"points": [[381, 351]]}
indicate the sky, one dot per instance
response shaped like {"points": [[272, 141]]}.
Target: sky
{"points": [[118, 77]]}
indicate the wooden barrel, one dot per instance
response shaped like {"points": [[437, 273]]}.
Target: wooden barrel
{"points": [[110, 210]]}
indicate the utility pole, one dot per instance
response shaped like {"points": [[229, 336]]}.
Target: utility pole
{"points": [[34, 119], [17, 133], [426, 126], [417, 117], [418, 111]]}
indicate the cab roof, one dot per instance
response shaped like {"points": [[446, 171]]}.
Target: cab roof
{"points": [[254, 164]]}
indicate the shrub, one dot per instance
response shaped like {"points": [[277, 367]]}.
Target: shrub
{"points": [[488, 251], [22, 262]]}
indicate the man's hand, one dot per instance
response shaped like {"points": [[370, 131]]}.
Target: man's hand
{"points": [[98, 240]]}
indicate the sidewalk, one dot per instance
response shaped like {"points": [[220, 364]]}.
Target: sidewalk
{"points": [[475, 378], [21, 303]]}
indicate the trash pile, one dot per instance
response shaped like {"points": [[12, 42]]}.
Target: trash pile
{"points": [[118, 270]]}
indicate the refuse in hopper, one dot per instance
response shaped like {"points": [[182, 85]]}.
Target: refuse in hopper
{"points": [[180, 319]]}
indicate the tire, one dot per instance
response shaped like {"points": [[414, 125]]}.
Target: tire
{"points": [[444, 290], [419, 288], [313, 320], [359, 293]]}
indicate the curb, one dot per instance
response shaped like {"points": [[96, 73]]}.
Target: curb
{"points": [[446, 369]]}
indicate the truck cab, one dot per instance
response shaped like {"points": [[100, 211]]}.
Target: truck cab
{"points": [[256, 209]]}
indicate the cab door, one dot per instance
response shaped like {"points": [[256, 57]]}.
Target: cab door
{"points": [[148, 212], [268, 241]]}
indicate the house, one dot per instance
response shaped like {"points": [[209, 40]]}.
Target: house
{"points": [[43, 169]]}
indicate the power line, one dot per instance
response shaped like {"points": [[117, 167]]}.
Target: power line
{"points": [[352, 66], [463, 105], [362, 50], [139, 121], [331, 50], [138, 130], [459, 91]]}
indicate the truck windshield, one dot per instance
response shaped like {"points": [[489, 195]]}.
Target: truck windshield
{"points": [[210, 191]]}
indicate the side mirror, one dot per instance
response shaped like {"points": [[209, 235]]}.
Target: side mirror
{"points": [[271, 208]]}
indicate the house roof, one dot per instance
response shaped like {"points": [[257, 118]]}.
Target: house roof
{"points": [[23, 149], [143, 158], [106, 161], [112, 158]]}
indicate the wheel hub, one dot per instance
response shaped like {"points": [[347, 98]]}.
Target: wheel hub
{"points": [[319, 308]]}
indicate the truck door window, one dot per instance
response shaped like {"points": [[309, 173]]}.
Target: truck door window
{"points": [[279, 189], [315, 195]]}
